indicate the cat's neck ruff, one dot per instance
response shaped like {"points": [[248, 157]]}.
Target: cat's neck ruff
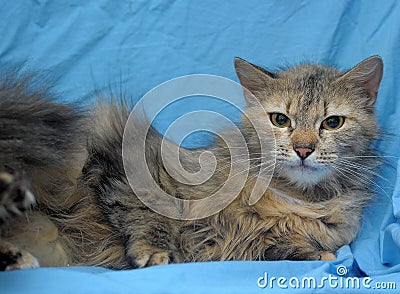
{"points": [[280, 195]]}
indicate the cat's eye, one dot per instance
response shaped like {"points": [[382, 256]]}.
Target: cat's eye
{"points": [[280, 120], [333, 123]]}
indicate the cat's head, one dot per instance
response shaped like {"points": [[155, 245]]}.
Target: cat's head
{"points": [[323, 118]]}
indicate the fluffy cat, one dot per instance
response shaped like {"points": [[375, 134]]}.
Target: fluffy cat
{"points": [[87, 214]]}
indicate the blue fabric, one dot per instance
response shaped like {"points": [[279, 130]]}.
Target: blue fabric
{"points": [[138, 44]]}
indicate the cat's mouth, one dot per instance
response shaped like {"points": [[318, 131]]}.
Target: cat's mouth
{"points": [[305, 173], [303, 167]]}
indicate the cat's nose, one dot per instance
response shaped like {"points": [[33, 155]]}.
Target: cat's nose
{"points": [[303, 152]]}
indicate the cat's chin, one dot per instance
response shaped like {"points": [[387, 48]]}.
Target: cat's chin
{"points": [[305, 175]]}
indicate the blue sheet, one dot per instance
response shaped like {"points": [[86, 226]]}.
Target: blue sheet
{"points": [[139, 44]]}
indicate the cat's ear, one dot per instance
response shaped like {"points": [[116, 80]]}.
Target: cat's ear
{"points": [[252, 77], [367, 74]]}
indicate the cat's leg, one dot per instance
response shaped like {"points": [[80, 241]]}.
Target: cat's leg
{"points": [[151, 239], [297, 247], [284, 252], [152, 245]]}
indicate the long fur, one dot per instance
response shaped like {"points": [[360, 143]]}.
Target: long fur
{"points": [[73, 163]]}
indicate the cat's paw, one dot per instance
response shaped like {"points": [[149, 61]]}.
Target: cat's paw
{"points": [[144, 256], [15, 197], [316, 255], [13, 258], [327, 256]]}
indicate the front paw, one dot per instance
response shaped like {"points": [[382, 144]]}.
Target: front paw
{"points": [[15, 197], [316, 255], [13, 258], [144, 256], [327, 256]]}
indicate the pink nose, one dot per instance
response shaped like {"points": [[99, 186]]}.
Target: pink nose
{"points": [[303, 152]]}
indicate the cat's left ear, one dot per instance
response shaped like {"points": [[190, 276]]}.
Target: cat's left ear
{"points": [[367, 74], [252, 77]]}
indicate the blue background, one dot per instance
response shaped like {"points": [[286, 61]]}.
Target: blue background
{"points": [[136, 45]]}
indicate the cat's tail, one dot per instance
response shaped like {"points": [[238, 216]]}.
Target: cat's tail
{"points": [[41, 140], [109, 118]]}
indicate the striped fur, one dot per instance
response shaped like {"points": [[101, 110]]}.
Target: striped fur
{"points": [[81, 188]]}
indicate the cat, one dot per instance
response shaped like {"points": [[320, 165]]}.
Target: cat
{"points": [[324, 123]]}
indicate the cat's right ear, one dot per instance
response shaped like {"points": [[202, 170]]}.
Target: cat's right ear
{"points": [[252, 77], [367, 74]]}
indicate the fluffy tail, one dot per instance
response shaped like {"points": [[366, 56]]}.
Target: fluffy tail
{"points": [[40, 140]]}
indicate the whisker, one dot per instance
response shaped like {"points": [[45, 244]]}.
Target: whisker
{"points": [[230, 164], [372, 156], [366, 169], [240, 155], [359, 177], [243, 171]]}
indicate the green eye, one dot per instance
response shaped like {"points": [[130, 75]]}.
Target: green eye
{"points": [[333, 123], [280, 120]]}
